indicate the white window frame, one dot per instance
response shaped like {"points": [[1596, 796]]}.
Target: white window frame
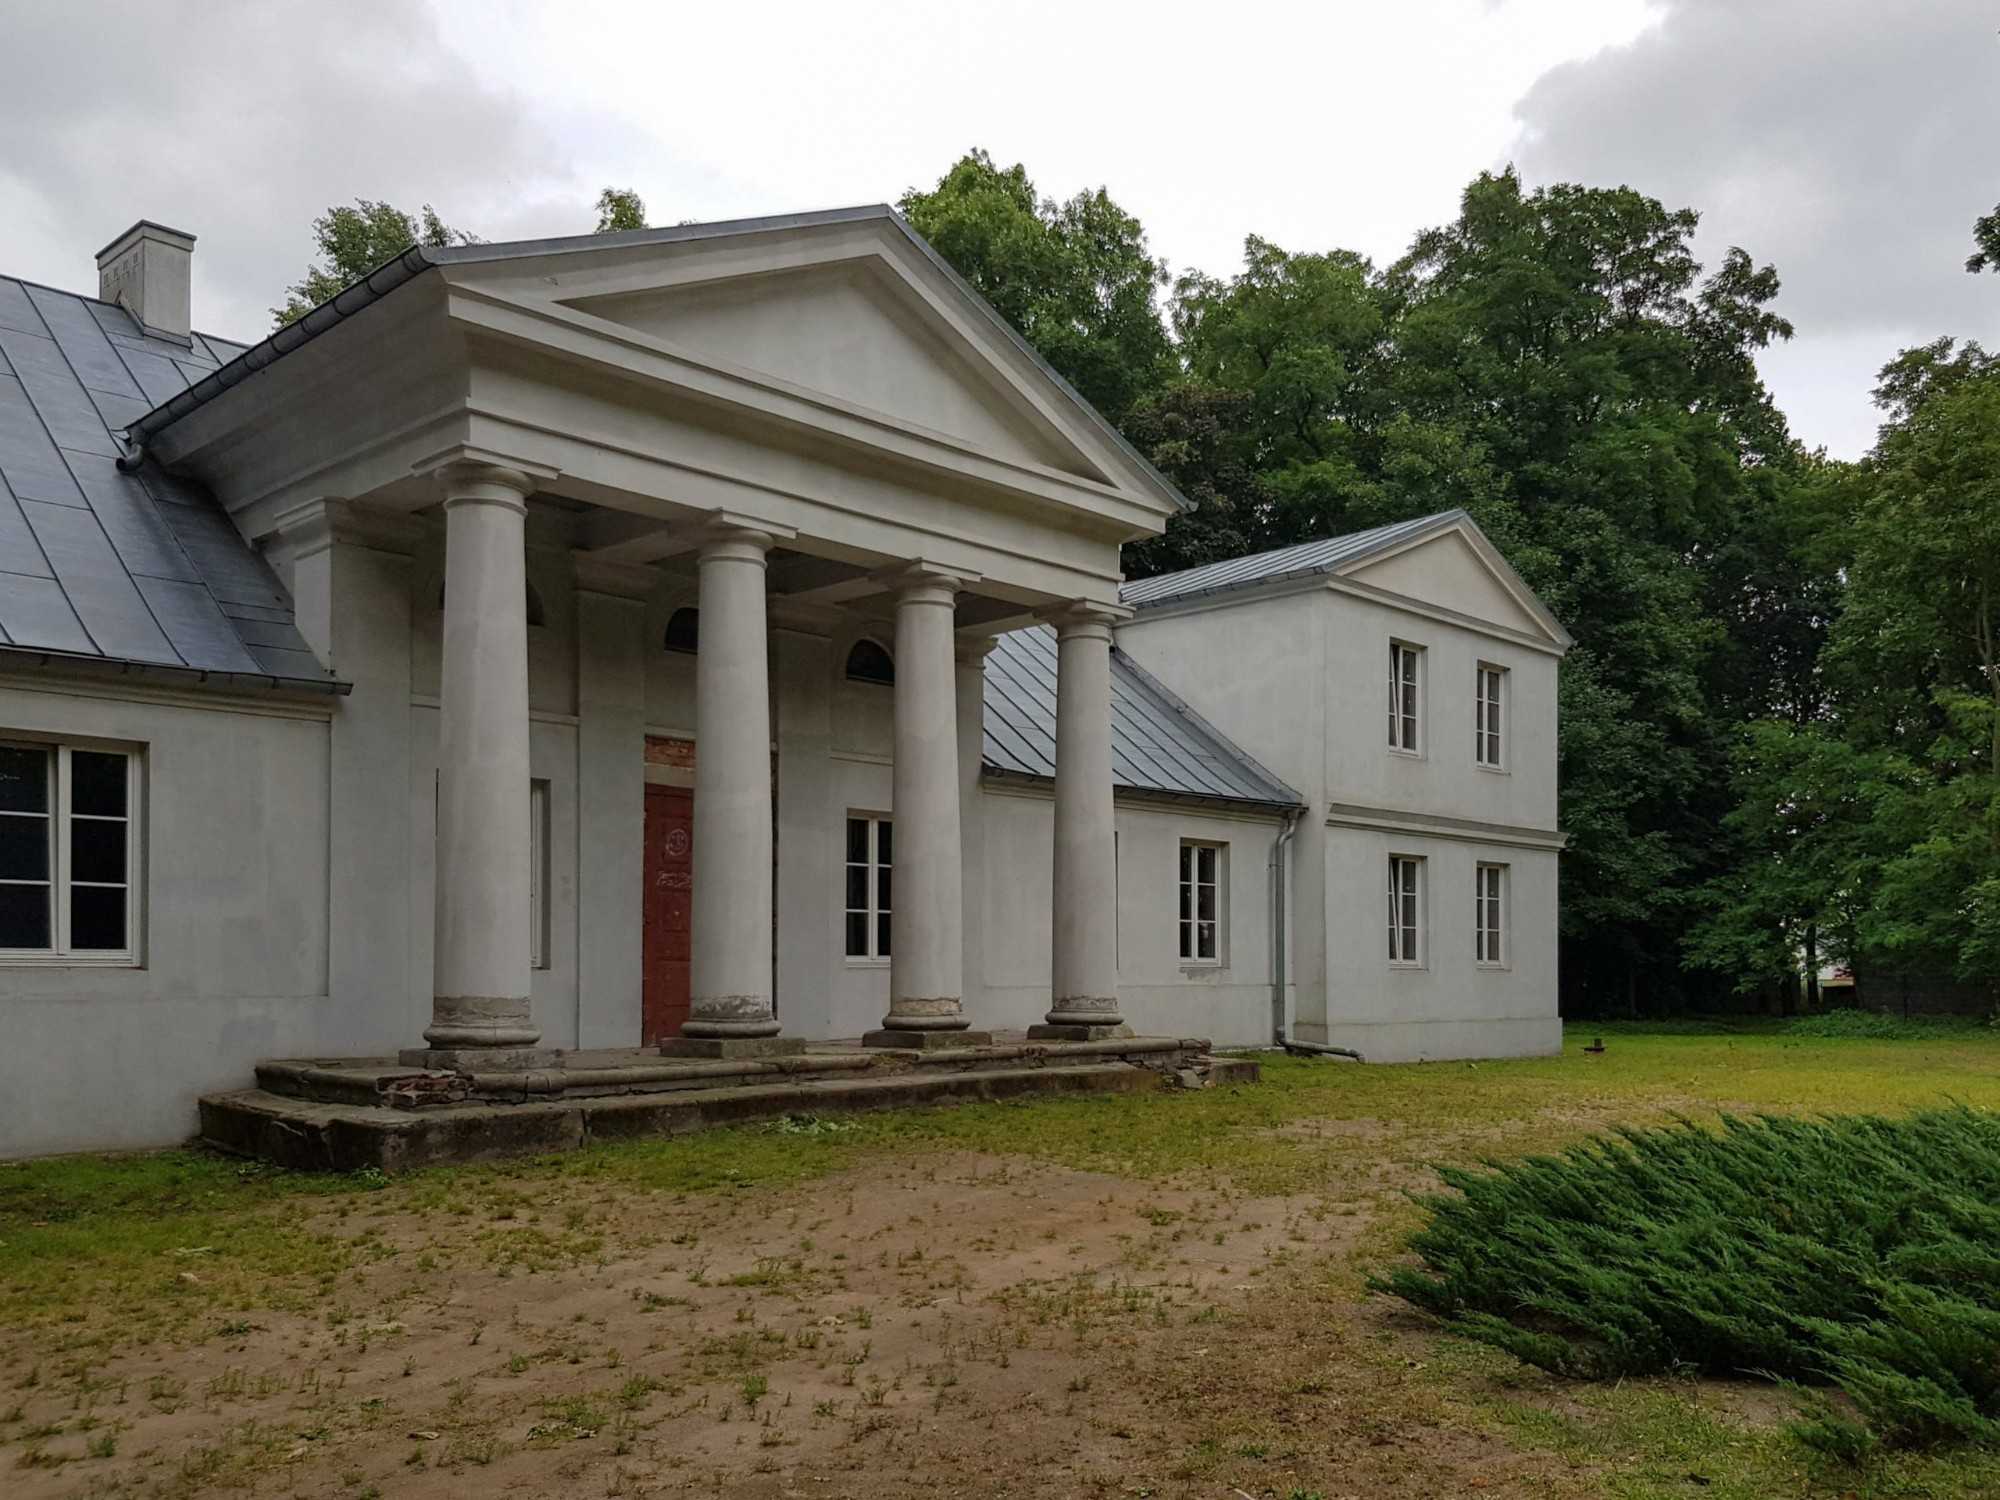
{"points": [[1489, 716], [538, 873], [877, 953], [58, 820], [1407, 876], [1406, 698], [1489, 915], [1188, 888]]}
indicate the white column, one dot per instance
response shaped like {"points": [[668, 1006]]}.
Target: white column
{"points": [[480, 1014], [1084, 967], [731, 968], [972, 814], [926, 911]]}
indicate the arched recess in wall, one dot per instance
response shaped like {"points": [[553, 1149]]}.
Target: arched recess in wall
{"points": [[536, 615], [869, 661], [683, 630]]}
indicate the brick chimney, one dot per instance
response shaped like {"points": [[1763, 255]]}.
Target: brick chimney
{"points": [[146, 271]]}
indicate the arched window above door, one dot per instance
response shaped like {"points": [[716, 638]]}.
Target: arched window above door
{"points": [[683, 630], [867, 661]]}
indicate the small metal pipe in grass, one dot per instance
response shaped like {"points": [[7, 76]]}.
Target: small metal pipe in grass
{"points": [[1280, 1033]]}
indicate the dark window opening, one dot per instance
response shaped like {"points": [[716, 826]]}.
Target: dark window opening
{"points": [[684, 630], [868, 662]]}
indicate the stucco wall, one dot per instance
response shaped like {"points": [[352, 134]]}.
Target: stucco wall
{"points": [[1448, 1006], [1229, 1002], [234, 842]]}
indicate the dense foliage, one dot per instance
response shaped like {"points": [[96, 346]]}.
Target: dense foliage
{"points": [[1854, 1252], [1781, 719]]}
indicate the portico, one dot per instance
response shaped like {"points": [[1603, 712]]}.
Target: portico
{"points": [[800, 424]]}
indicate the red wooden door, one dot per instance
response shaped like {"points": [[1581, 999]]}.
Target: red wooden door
{"points": [[669, 894]]}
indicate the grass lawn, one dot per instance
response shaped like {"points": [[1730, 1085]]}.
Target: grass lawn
{"points": [[1151, 1294]]}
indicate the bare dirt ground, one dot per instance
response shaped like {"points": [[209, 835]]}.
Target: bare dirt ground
{"points": [[935, 1324]]}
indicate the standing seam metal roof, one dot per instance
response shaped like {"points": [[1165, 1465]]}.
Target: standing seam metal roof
{"points": [[1304, 559], [103, 564], [1158, 743]]}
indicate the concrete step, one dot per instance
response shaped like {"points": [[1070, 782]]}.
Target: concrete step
{"points": [[318, 1135]]}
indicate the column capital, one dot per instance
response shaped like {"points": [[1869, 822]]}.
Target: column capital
{"points": [[725, 526], [919, 577], [463, 470], [1086, 617], [972, 650]]}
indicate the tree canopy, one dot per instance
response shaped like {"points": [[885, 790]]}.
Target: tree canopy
{"points": [[352, 239]]}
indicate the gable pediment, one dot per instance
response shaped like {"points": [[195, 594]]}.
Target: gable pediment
{"points": [[854, 332], [1449, 570]]}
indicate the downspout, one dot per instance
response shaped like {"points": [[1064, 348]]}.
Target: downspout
{"points": [[1280, 1036]]}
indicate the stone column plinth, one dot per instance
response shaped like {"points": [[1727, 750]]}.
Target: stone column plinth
{"points": [[732, 1014], [926, 910], [1084, 932], [480, 1011]]}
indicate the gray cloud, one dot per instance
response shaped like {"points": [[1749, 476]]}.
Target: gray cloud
{"points": [[1848, 141], [241, 124]]}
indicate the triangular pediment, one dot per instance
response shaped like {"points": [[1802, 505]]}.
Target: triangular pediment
{"points": [[851, 331], [1456, 569]]}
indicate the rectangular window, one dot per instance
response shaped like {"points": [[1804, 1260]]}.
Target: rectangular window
{"points": [[1201, 916], [1406, 894], [868, 900], [67, 821], [1489, 917], [1492, 691], [538, 874], [1404, 696]]}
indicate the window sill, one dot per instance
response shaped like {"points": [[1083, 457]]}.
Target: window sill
{"points": [[69, 961], [866, 963], [1407, 754], [1203, 966], [1492, 770], [1403, 966], [1486, 966]]}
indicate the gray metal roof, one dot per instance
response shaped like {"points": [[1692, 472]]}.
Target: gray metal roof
{"points": [[108, 566], [1299, 561], [1158, 743], [391, 274]]}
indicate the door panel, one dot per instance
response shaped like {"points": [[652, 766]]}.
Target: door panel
{"points": [[669, 897]]}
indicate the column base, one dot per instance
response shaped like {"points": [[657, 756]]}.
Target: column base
{"points": [[1048, 1031], [480, 1059], [926, 1041], [732, 1046]]}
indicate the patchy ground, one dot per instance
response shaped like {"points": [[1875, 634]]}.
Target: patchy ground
{"points": [[1154, 1296]]}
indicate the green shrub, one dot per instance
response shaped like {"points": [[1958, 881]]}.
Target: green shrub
{"points": [[1860, 1252], [1875, 1025]]}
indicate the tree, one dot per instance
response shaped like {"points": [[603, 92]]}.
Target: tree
{"points": [[1986, 242], [353, 239], [1075, 279], [619, 209]]}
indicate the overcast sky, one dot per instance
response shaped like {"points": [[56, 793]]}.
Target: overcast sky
{"points": [[1852, 142]]}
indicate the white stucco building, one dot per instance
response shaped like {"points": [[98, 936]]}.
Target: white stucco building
{"points": [[698, 636]]}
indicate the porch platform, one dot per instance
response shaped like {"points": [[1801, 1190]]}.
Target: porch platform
{"points": [[340, 1114]]}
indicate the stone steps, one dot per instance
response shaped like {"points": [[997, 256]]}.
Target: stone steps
{"points": [[344, 1115]]}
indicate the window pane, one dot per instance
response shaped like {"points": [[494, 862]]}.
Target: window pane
{"points": [[1206, 861], [1187, 900], [24, 848], [857, 887], [882, 936], [1204, 907], [1204, 939], [882, 900], [97, 783], [1187, 940], [1187, 855], [882, 843], [24, 780], [24, 916], [857, 934], [97, 849], [857, 841], [97, 917]]}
